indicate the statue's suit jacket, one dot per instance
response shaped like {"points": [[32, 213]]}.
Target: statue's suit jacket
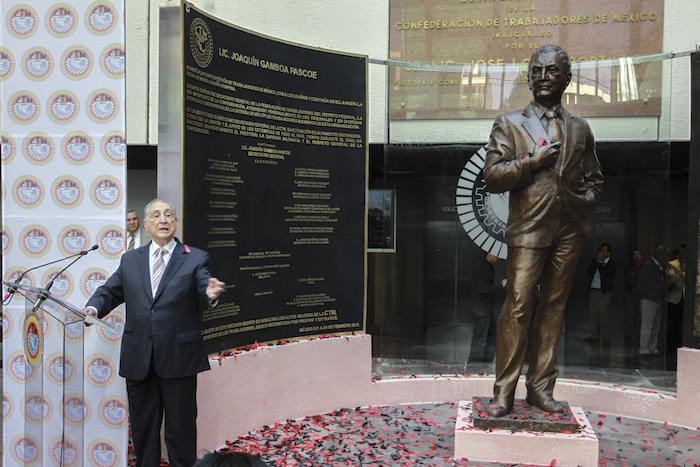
{"points": [[169, 325], [537, 198]]}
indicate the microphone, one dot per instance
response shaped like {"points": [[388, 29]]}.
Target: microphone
{"points": [[11, 289]]}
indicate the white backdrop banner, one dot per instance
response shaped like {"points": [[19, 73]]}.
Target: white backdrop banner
{"points": [[62, 123]]}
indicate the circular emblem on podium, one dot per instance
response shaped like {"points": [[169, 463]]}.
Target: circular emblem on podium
{"points": [[63, 107], [25, 450], [113, 61], [483, 215], [37, 408], [33, 339], [77, 410], [6, 240], [37, 63], [64, 451], [106, 192], [102, 106], [114, 147], [99, 370], [20, 371], [7, 63], [8, 406], [76, 62], [61, 20], [61, 368], [114, 411], [35, 241], [38, 148], [101, 18], [24, 107], [91, 280], [22, 21], [67, 192], [8, 147], [77, 147], [201, 43], [103, 453]]}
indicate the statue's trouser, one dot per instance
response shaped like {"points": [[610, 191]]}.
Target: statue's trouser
{"points": [[554, 268]]}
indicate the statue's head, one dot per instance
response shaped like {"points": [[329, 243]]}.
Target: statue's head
{"points": [[549, 73]]}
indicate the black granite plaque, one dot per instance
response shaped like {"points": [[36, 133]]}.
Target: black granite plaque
{"points": [[524, 417]]}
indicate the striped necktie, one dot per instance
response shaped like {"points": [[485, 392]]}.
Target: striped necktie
{"points": [[132, 241], [158, 268]]}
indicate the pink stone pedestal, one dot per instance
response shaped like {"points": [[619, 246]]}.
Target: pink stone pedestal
{"points": [[505, 446]]}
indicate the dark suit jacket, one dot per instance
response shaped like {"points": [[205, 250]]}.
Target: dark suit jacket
{"points": [[168, 325], [538, 197], [607, 273]]}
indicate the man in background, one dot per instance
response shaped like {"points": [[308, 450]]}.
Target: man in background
{"points": [[675, 298], [481, 298], [135, 236], [652, 289], [602, 272]]}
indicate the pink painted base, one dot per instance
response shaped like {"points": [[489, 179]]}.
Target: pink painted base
{"points": [[524, 447]]}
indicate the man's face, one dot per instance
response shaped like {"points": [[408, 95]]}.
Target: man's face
{"points": [[637, 257], [548, 78], [161, 222], [603, 253], [132, 222]]}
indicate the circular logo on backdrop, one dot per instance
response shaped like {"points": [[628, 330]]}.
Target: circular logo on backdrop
{"points": [[20, 371], [35, 240], [28, 191], [64, 451], [483, 215], [6, 239], [7, 63], [15, 272], [91, 280], [61, 20], [63, 106], [76, 410], [8, 406], [77, 62], [113, 60], [7, 324], [112, 241], [24, 107], [77, 147], [73, 239], [103, 453], [99, 370], [109, 335], [102, 106], [37, 408], [33, 339], [67, 191], [201, 43], [101, 18], [62, 284], [22, 21], [114, 147], [37, 63], [8, 147], [25, 450], [114, 411], [61, 368], [38, 148], [106, 192]]}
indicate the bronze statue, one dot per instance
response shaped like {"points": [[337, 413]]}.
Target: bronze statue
{"points": [[546, 158]]}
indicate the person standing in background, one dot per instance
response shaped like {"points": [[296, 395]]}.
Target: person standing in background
{"points": [[652, 290], [602, 272], [632, 298], [482, 292], [675, 298], [135, 236]]}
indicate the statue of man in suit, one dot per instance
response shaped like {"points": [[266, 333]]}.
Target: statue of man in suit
{"points": [[164, 285], [546, 158]]}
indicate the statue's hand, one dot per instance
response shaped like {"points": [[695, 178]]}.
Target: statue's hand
{"points": [[544, 156]]}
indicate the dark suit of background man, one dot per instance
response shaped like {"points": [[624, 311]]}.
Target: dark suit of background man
{"points": [[546, 158], [162, 349], [602, 273]]}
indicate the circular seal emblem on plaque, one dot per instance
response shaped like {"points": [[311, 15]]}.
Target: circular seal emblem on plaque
{"points": [[77, 410], [113, 411], [7, 63], [91, 280], [37, 408], [24, 107], [113, 61], [112, 241], [25, 450], [61, 20], [201, 43], [62, 284], [109, 335], [483, 215], [33, 339], [38, 148], [6, 240], [35, 240], [67, 192], [101, 18], [106, 192], [99, 370], [37, 63], [8, 147], [28, 191], [8, 406], [73, 239], [77, 147], [76, 62], [102, 106], [22, 21], [63, 106], [61, 368], [114, 147], [103, 453], [64, 451], [20, 371]]}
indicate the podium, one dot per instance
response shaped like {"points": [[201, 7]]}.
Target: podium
{"points": [[54, 365]]}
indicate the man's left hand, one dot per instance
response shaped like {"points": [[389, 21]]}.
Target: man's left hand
{"points": [[214, 288]]}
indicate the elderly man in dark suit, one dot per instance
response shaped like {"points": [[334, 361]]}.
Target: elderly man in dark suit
{"points": [[164, 284], [546, 158]]}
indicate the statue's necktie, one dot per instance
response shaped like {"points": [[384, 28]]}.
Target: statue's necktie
{"points": [[553, 128], [158, 268]]}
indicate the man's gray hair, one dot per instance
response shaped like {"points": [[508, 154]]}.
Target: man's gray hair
{"points": [[158, 200], [565, 59]]}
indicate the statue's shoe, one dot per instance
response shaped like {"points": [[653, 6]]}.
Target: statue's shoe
{"points": [[544, 402], [499, 407]]}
